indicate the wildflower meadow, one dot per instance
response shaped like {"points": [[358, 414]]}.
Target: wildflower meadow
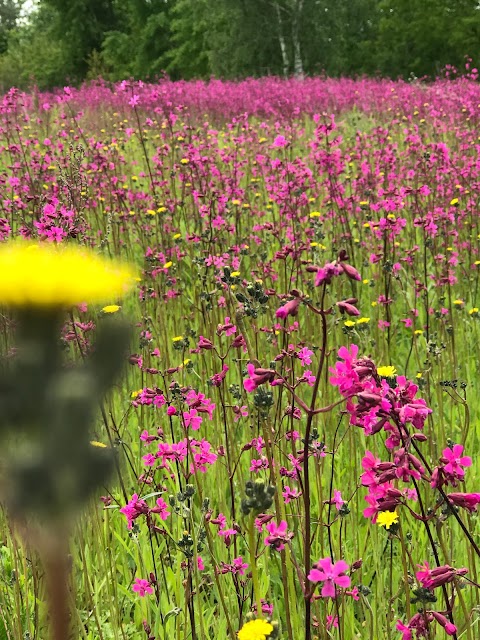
{"points": [[293, 437]]}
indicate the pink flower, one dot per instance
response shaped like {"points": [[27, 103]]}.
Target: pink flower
{"points": [[468, 501], [278, 535], [161, 509], [257, 376], [338, 501], [331, 575], [406, 632], [142, 587], [280, 142], [134, 508], [288, 309], [192, 419], [305, 356], [455, 461]]}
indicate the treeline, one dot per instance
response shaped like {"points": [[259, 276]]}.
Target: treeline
{"points": [[68, 41]]}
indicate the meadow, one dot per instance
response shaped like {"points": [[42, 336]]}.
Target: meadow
{"points": [[296, 427]]}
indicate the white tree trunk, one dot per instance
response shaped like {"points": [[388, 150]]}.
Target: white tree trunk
{"points": [[297, 52], [281, 38]]}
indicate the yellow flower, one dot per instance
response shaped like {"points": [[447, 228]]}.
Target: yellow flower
{"points": [[100, 445], [418, 332], [315, 214], [255, 630], [349, 323], [363, 320], [458, 302], [177, 338], [387, 518], [111, 308], [168, 264], [473, 311], [386, 372], [184, 160], [235, 274], [454, 202], [48, 275]]}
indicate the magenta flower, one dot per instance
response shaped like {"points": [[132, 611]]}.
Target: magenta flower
{"points": [[468, 501], [305, 356], [278, 535], [455, 461], [288, 309], [192, 419], [331, 575], [142, 587], [161, 509], [134, 508], [257, 376]]}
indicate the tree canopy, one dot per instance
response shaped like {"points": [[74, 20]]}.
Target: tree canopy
{"points": [[63, 42]]}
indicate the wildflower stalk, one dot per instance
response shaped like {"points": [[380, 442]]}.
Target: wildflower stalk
{"points": [[306, 474], [253, 564], [287, 574]]}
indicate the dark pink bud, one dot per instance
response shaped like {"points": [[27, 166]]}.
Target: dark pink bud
{"points": [[449, 627], [288, 309], [205, 343], [350, 271], [348, 308]]}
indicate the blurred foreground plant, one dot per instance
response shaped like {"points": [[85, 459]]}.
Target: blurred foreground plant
{"points": [[49, 467]]}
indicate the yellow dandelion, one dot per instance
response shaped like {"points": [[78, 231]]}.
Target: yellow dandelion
{"points": [[387, 518], [111, 308], [459, 302], [184, 160], [315, 214], [49, 275], [177, 338], [255, 630], [363, 320], [167, 265], [349, 323], [418, 332], [100, 445], [176, 236], [235, 274], [387, 371], [454, 202], [474, 311]]}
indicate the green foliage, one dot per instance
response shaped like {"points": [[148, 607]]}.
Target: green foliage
{"points": [[34, 55], [232, 38]]}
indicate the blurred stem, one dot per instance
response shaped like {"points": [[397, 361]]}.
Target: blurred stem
{"points": [[253, 565], [55, 559]]}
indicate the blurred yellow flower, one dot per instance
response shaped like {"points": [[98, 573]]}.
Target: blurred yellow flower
{"points": [[49, 275], [111, 308], [386, 372], [255, 630]]}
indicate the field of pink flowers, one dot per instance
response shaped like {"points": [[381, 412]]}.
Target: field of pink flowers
{"points": [[297, 425]]}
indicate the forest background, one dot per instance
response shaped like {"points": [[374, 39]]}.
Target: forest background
{"points": [[50, 43]]}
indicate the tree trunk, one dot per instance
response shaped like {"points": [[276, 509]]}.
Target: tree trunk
{"points": [[297, 51], [281, 38]]}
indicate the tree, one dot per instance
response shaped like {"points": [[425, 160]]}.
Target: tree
{"points": [[9, 15]]}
